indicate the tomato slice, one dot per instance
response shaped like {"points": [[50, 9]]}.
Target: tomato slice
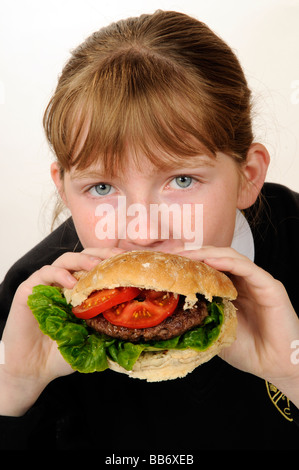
{"points": [[104, 299], [149, 309]]}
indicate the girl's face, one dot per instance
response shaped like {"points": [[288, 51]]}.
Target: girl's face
{"points": [[204, 198]]}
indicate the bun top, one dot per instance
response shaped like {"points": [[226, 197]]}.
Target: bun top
{"points": [[154, 270]]}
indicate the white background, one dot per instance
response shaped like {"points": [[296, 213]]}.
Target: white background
{"points": [[36, 37]]}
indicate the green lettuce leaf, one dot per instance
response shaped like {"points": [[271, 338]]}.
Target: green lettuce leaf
{"points": [[87, 351]]}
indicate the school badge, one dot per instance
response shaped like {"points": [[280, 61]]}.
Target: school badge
{"points": [[279, 400]]}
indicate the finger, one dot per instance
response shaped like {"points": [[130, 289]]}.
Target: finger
{"points": [[84, 261], [211, 252], [103, 253], [48, 275], [243, 267], [76, 261]]}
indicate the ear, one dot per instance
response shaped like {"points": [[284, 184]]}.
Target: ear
{"points": [[58, 180], [253, 175]]}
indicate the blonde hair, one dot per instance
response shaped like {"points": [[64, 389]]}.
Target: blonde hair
{"points": [[163, 84]]}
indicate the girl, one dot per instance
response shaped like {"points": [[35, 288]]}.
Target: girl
{"points": [[156, 109]]}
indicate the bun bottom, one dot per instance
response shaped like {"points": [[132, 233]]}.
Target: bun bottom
{"points": [[173, 364]]}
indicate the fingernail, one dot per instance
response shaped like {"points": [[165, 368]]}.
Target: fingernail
{"points": [[71, 280], [117, 250], [94, 259]]}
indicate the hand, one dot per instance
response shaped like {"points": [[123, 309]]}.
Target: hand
{"points": [[32, 359], [267, 322]]}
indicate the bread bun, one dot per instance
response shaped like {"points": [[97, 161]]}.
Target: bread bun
{"points": [[163, 272], [173, 364], [154, 270]]}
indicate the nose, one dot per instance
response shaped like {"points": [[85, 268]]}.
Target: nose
{"points": [[141, 230], [140, 225]]}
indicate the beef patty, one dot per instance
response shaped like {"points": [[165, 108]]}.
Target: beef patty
{"points": [[176, 324]]}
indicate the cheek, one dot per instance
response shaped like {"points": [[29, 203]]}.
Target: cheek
{"points": [[219, 215], [84, 224], [86, 221], [218, 227]]}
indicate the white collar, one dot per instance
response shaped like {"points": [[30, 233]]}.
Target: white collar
{"points": [[243, 239]]}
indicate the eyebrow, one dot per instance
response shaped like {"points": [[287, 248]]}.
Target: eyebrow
{"points": [[200, 160], [84, 174], [193, 163]]}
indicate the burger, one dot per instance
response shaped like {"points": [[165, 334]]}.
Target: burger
{"points": [[151, 315]]}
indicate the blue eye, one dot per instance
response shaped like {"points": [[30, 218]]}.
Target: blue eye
{"points": [[183, 181], [101, 189]]}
